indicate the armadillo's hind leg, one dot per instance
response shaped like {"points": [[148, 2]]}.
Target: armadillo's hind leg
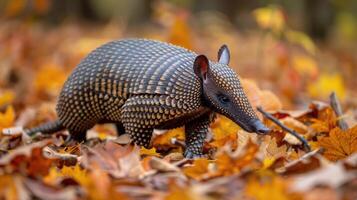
{"points": [[196, 132], [46, 128]]}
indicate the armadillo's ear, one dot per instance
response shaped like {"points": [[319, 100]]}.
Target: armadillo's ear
{"points": [[201, 66], [223, 55]]}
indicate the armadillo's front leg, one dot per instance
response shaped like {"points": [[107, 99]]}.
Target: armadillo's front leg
{"points": [[196, 132]]}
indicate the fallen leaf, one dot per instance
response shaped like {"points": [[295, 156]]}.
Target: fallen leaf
{"points": [[339, 144], [198, 168], [7, 119], [308, 181], [148, 152]]}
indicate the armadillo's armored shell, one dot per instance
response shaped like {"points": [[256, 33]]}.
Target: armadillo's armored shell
{"points": [[103, 81]]}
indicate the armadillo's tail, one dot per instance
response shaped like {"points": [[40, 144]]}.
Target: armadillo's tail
{"points": [[46, 128]]}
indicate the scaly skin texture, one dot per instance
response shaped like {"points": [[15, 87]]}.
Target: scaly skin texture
{"points": [[142, 85]]}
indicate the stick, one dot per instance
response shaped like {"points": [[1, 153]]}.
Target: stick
{"points": [[306, 145], [336, 106]]}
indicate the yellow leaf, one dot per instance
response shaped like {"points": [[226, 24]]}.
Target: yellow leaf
{"points": [[326, 84], [6, 97], [224, 131], [7, 119], [270, 17], [148, 152], [339, 144], [77, 173]]}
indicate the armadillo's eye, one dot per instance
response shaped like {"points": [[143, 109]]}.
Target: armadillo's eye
{"points": [[223, 98]]}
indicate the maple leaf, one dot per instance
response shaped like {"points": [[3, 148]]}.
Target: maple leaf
{"points": [[339, 144]]}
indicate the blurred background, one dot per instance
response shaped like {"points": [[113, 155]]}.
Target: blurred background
{"points": [[301, 50]]}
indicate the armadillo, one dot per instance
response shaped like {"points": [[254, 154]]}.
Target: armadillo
{"points": [[142, 85]]}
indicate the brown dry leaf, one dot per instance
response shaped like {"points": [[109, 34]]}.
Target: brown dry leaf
{"points": [[162, 165], [323, 118], [294, 125], [339, 144], [27, 159], [270, 148], [43, 191], [332, 175]]}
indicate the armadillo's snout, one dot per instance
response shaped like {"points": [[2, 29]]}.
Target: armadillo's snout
{"points": [[258, 126]]}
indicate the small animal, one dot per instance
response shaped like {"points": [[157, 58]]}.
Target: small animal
{"points": [[142, 85]]}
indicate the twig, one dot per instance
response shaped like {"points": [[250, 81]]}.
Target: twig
{"points": [[285, 128], [336, 106]]}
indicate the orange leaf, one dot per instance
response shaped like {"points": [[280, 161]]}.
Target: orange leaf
{"points": [[7, 119], [233, 163], [148, 152], [339, 144], [165, 139], [199, 168], [6, 97], [50, 79]]}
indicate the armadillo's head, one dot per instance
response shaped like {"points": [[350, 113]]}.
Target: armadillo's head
{"points": [[223, 92]]}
